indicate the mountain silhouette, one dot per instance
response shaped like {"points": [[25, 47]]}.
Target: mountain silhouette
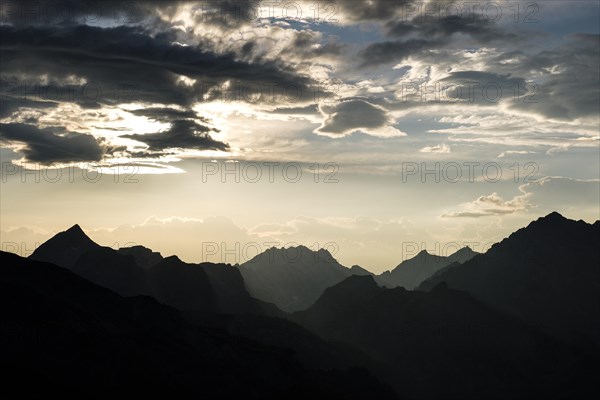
{"points": [[62, 332], [144, 257], [65, 248], [410, 273], [195, 289], [133, 271], [521, 321], [292, 278], [110, 269], [183, 286], [445, 344], [547, 274]]}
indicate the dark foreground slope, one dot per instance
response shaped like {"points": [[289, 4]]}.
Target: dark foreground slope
{"points": [[61, 332], [547, 274], [445, 344]]}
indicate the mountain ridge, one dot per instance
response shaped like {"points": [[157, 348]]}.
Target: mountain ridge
{"points": [[547, 273]]}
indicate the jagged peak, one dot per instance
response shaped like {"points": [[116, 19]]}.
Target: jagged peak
{"points": [[292, 254], [462, 251], [74, 234], [75, 228], [552, 219]]}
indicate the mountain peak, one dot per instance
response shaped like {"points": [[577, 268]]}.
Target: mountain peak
{"points": [[554, 215], [554, 220], [65, 248], [462, 255], [74, 233], [358, 270], [75, 229]]}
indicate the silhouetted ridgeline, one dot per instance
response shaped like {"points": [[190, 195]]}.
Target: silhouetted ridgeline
{"points": [[61, 332], [547, 274], [191, 288], [521, 321], [445, 344], [410, 273]]}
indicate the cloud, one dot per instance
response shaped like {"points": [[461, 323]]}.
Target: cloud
{"points": [[51, 145], [514, 152], [126, 63], [483, 88], [374, 10], [185, 134], [394, 51], [550, 193], [490, 205], [440, 149], [422, 33], [571, 75], [163, 114], [354, 115], [48, 12]]}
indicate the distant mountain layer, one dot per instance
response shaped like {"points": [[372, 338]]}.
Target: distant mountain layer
{"points": [[293, 278], [410, 273], [547, 274], [445, 344], [62, 332], [191, 288]]}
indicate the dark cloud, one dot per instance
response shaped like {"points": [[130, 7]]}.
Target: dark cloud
{"points": [[349, 115], [51, 145], [375, 10], [571, 73], [75, 12], [186, 134], [394, 51], [482, 29], [307, 44], [164, 114], [125, 64], [421, 34]]}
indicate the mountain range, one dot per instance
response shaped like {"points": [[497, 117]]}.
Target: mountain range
{"points": [[446, 336], [191, 288], [293, 278], [547, 274], [519, 321], [62, 332]]}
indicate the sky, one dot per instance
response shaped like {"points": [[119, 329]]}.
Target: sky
{"points": [[374, 129]]}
